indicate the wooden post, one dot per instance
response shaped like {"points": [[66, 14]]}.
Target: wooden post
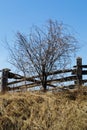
{"points": [[4, 80], [79, 71]]}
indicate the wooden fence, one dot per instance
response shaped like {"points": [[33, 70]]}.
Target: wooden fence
{"points": [[76, 75]]}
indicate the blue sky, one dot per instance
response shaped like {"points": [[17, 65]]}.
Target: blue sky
{"points": [[20, 15]]}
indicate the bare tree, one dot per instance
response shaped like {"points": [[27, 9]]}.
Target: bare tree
{"points": [[43, 50]]}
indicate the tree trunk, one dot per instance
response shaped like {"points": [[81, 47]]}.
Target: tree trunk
{"points": [[44, 82], [44, 78]]}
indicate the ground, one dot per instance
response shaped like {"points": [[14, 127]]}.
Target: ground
{"points": [[44, 111]]}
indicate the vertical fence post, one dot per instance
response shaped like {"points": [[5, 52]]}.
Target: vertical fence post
{"points": [[4, 80], [79, 71]]}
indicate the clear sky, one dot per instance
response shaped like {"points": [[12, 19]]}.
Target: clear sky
{"points": [[20, 15]]}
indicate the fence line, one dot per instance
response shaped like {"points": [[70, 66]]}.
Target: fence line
{"points": [[76, 75]]}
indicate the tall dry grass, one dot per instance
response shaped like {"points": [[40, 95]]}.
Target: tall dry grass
{"points": [[44, 111]]}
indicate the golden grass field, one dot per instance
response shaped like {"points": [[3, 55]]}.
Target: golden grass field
{"points": [[44, 111]]}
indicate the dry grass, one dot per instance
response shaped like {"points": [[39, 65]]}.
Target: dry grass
{"points": [[44, 111]]}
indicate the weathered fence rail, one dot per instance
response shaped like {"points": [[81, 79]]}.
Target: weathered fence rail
{"points": [[76, 75]]}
